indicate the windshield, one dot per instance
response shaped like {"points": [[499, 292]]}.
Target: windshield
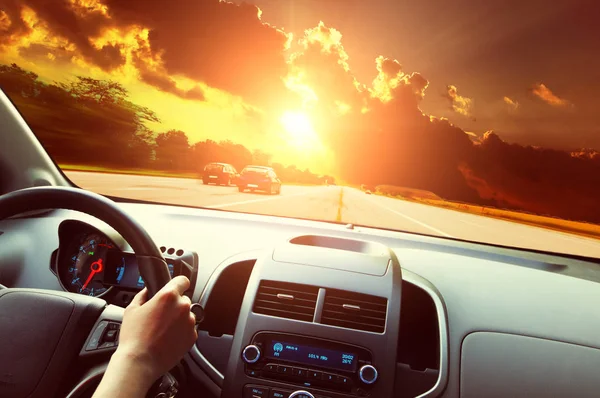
{"points": [[254, 170], [213, 167], [469, 120]]}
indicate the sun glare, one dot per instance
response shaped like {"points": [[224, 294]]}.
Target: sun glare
{"points": [[299, 128]]}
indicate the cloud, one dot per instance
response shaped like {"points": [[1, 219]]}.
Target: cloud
{"points": [[224, 45], [221, 44], [461, 105], [391, 79], [167, 84], [512, 104], [545, 94], [319, 70]]}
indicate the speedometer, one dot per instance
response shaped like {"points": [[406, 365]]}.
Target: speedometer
{"points": [[87, 259]]}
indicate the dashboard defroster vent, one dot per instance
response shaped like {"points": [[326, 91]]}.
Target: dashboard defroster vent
{"points": [[286, 300], [354, 311]]}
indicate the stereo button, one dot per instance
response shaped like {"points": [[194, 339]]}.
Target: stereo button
{"points": [[314, 375], [299, 372], [342, 380], [328, 377], [271, 367], [277, 393], [285, 370], [256, 392]]}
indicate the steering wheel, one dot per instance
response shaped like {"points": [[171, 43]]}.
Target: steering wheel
{"points": [[43, 332]]}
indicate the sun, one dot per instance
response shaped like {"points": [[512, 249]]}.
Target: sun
{"points": [[299, 128]]}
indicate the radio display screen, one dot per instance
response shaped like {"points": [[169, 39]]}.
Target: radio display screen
{"points": [[309, 355]]}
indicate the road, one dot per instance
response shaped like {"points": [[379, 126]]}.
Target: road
{"points": [[342, 204]]}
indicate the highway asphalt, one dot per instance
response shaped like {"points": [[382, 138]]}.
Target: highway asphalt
{"points": [[341, 204]]}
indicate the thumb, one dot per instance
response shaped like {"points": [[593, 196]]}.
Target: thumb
{"points": [[140, 298]]}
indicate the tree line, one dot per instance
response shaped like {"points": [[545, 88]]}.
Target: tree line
{"points": [[92, 122]]}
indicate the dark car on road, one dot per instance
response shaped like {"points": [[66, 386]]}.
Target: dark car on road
{"points": [[259, 178], [219, 174]]}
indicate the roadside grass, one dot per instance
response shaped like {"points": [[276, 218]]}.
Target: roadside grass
{"points": [[573, 227], [133, 171], [146, 172]]}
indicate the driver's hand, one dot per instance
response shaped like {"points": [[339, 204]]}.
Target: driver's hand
{"points": [[159, 331], [154, 336]]}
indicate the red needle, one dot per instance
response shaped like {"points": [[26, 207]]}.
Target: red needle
{"points": [[95, 268]]}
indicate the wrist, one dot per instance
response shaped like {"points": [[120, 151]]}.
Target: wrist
{"points": [[134, 363], [128, 375]]}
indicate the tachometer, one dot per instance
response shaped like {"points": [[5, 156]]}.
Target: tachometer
{"points": [[85, 273]]}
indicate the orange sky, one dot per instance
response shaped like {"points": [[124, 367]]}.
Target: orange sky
{"points": [[220, 116], [218, 70]]}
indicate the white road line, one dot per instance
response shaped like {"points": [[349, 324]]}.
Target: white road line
{"points": [[255, 200], [413, 219]]}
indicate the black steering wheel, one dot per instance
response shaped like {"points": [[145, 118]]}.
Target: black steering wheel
{"points": [[42, 332]]}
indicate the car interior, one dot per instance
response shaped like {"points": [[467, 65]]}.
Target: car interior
{"points": [[290, 307]]}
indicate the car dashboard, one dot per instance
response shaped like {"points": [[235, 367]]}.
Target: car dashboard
{"points": [[338, 311]]}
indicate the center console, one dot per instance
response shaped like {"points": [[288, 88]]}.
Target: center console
{"points": [[310, 362], [319, 319]]}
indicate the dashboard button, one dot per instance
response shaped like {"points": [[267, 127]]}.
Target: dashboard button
{"points": [[368, 374], [299, 372], [271, 367], [252, 372], [342, 380], [96, 336], [314, 375], [330, 378], [285, 370], [256, 392], [251, 354], [277, 393]]}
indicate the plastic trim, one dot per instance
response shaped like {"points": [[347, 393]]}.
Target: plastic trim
{"points": [[424, 284], [195, 353], [407, 276]]}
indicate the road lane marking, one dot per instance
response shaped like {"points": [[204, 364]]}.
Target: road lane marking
{"points": [[412, 219], [255, 200]]}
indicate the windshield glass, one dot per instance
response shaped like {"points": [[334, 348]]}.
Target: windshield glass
{"points": [[254, 170], [470, 120], [213, 167]]}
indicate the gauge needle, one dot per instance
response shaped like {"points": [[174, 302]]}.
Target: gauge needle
{"points": [[95, 268]]}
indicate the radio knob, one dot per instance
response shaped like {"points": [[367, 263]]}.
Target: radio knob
{"points": [[301, 394], [368, 374], [251, 354]]}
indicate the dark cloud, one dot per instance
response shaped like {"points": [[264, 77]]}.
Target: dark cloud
{"points": [[227, 46], [12, 25], [166, 84], [543, 181], [222, 44], [78, 25], [41, 51]]}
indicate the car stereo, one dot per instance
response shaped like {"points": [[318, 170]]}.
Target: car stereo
{"points": [[310, 362]]}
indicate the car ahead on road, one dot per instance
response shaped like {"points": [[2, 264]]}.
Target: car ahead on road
{"points": [[219, 174], [259, 178]]}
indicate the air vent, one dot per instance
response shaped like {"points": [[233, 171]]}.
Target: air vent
{"points": [[286, 300], [354, 311]]}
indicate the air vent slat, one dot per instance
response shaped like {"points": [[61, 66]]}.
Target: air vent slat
{"points": [[286, 300], [338, 307], [362, 311]]}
